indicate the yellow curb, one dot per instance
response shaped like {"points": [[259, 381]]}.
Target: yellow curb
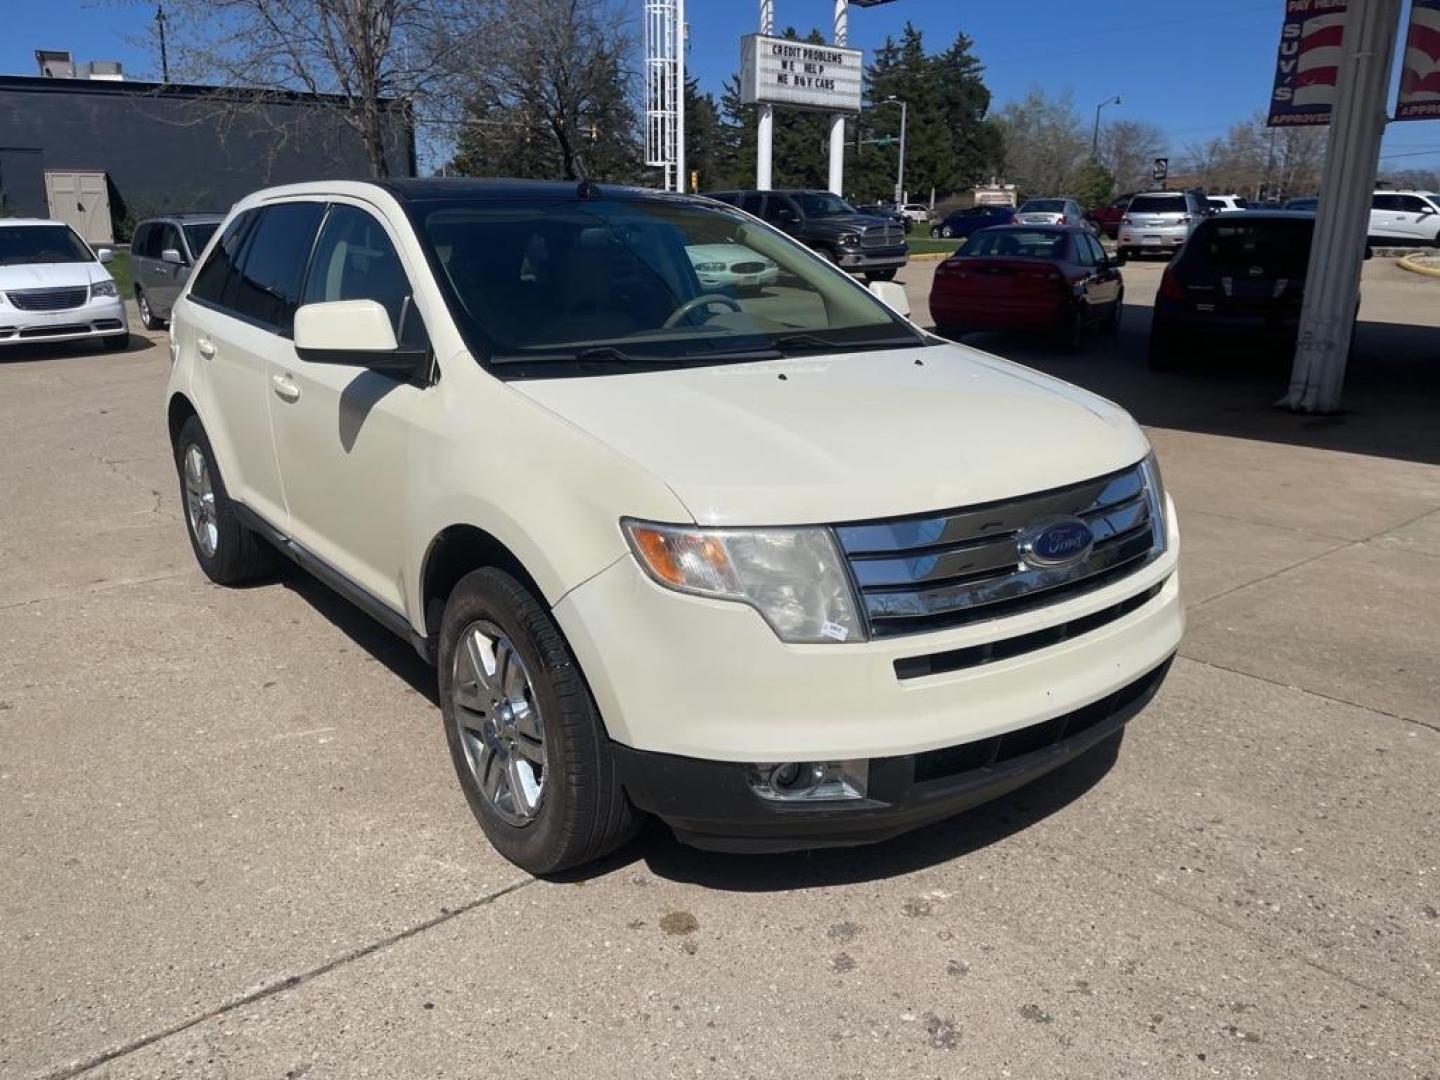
{"points": [[1406, 263], [928, 256]]}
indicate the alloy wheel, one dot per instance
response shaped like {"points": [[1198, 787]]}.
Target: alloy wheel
{"points": [[200, 501], [498, 722]]}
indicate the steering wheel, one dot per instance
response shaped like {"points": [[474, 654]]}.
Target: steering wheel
{"points": [[700, 301]]}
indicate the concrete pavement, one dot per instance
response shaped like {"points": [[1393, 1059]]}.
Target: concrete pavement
{"points": [[234, 847]]}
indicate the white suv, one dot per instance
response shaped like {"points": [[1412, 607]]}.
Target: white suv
{"points": [[781, 569], [1411, 217], [54, 288]]}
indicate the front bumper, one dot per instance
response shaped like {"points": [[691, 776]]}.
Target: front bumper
{"points": [[875, 259], [1278, 326], [710, 804], [104, 317]]}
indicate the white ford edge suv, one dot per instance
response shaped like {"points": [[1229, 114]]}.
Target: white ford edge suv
{"points": [[54, 288], [781, 569]]}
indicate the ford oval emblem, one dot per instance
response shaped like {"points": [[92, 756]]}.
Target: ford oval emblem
{"points": [[1059, 542]]}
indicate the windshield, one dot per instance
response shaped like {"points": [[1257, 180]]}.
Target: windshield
{"points": [[41, 244], [1157, 204], [198, 235], [821, 204], [1016, 243], [641, 282], [1043, 206], [1253, 248]]}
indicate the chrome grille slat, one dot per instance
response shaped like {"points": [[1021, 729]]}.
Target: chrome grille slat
{"points": [[938, 570], [57, 299]]}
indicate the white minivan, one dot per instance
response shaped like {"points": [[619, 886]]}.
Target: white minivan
{"points": [[778, 567], [54, 288]]}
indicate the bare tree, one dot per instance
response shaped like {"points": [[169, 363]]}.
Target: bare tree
{"points": [[1128, 149], [368, 53], [1045, 143], [1258, 161], [557, 94]]}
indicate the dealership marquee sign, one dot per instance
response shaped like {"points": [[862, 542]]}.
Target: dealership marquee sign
{"points": [[1420, 68], [782, 71]]}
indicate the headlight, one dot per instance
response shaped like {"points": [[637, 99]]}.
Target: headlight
{"points": [[849, 239], [709, 268], [103, 288], [1155, 487], [793, 577]]}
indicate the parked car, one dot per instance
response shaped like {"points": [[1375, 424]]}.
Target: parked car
{"points": [[53, 287], [1063, 211], [732, 265], [1106, 219], [962, 223], [919, 213], [860, 243], [1054, 279], [1159, 221], [1411, 217], [1309, 203], [1241, 278], [1226, 204], [162, 252], [784, 574]]}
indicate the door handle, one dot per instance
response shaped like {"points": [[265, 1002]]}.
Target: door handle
{"points": [[285, 388], [205, 347]]}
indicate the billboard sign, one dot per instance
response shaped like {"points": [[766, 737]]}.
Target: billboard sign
{"points": [[1308, 63], [1420, 73], [779, 71]]}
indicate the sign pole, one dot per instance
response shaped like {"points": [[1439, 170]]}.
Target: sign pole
{"points": [[765, 130], [837, 120], [1332, 282]]}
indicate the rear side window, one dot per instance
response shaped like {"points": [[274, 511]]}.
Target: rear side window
{"points": [[267, 289], [213, 278], [1158, 204], [355, 260]]}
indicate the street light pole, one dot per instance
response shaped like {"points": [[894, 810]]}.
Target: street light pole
{"points": [[1095, 138], [900, 173]]}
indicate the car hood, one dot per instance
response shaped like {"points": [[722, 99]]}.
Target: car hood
{"points": [[725, 253], [50, 275], [850, 436], [848, 222]]}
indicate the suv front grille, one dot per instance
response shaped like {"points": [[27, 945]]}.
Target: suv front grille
{"points": [[937, 571], [883, 236], [48, 299]]}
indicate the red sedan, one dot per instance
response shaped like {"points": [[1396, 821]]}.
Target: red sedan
{"points": [[1053, 279]]}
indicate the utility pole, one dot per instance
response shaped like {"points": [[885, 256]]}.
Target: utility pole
{"points": [[900, 172], [681, 40], [837, 121], [164, 56], [765, 129], [1095, 138]]}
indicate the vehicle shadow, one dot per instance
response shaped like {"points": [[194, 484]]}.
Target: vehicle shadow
{"points": [[942, 842], [1392, 387], [33, 351]]}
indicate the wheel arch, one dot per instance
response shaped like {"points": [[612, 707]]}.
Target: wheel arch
{"points": [[454, 552], [178, 410]]}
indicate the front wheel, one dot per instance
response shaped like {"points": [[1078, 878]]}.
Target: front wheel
{"points": [[947, 232], [228, 552], [147, 315], [525, 735]]}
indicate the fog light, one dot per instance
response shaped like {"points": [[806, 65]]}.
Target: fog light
{"points": [[810, 781]]}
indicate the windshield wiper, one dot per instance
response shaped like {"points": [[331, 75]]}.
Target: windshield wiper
{"points": [[799, 342]]}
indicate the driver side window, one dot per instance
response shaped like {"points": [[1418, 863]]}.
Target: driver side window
{"points": [[355, 260]]}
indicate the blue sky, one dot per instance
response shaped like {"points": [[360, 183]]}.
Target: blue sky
{"points": [[1191, 69]]}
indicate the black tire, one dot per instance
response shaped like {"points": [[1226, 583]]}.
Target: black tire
{"points": [[880, 275], [147, 317], [115, 342], [935, 233], [1071, 336], [583, 813], [240, 554], [947, 232]]}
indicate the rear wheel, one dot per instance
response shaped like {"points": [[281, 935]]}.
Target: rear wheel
{"points": [[947, 231], [525, 735], [228, 552], [1111, 324], [1072, 332], [147, 316]]}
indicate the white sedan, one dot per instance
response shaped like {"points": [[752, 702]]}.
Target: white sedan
{"points": [[732, 265]]}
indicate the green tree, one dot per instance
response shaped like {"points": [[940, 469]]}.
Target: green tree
{"points": [[801, 143], [705, 139], [1094, 186]]}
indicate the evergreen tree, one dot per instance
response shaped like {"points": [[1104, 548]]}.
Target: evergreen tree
{"points": [[705, 139]]}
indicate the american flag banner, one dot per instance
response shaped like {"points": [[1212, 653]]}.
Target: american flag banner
{"points": [[1420, 75], [1308, 64]]}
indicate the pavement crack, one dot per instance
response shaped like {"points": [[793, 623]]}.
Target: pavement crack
{"points": [[1314, 693], [281, 986]]}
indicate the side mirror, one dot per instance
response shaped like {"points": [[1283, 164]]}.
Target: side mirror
{"points": [[104, 255], [172, 255], [892, 295], [353, 333]]}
